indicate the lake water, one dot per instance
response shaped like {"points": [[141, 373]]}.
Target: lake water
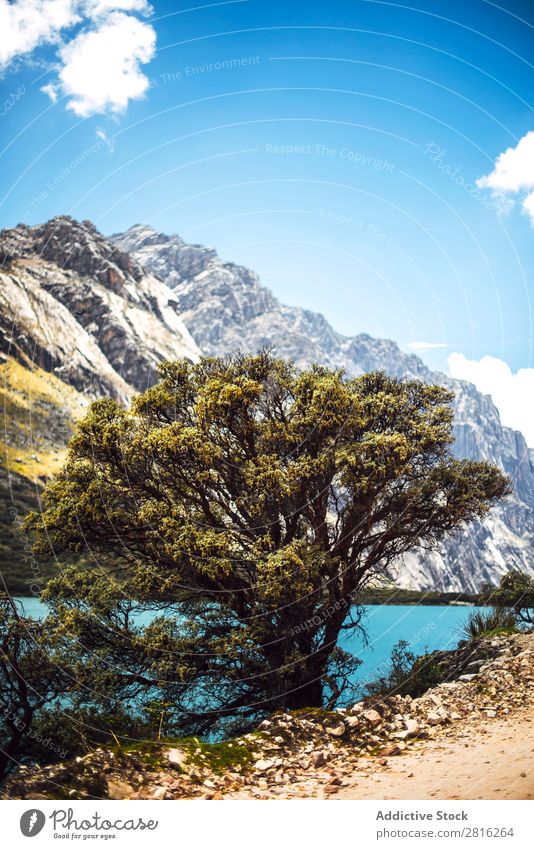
{"points": [[424, 627]]}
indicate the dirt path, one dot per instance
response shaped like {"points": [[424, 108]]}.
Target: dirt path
{"points": [[492, 761]]}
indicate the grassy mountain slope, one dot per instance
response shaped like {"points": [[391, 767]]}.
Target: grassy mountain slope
{"points": [[38, 414]]}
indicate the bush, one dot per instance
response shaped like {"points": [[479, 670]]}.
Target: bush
{"points": [[408, 675], [490, 623], [515, 593]]}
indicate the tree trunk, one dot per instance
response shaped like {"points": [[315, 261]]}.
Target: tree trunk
{"points": [[305, 695]]}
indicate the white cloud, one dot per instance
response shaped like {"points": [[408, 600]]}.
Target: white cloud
{"points": [[513, 174], [528, 206], [26, 24], [101, 68], [102, 7], [426, 346], [99, 63], [513, 394]]}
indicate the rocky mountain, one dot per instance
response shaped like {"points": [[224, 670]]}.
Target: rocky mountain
{"points": [[225, 308], [39, 413], [74, 304]]}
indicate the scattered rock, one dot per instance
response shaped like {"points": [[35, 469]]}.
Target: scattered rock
{"points": [[262, 765], [298, 754], [176, 758], [373, 717], [319, 759]]}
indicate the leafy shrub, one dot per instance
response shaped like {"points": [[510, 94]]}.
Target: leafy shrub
{"points": [[515, 592], [490, 623], [407, 675]]}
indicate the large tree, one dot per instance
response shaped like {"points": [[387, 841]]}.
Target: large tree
{"points": [[249, 503]]}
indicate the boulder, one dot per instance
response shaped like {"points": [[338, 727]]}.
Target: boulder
{"points": [[263, 765], [336, 730], [118, 789], [435, 718], [176, 758], [412, 727], [390, 750], [373, 717], [159, 793], [319, 759]]}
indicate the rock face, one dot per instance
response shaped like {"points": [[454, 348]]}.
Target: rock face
{"points": [[225, 308], [74, 304]]}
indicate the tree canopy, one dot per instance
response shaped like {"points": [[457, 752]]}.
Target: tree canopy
{"points": [[247, 503], [514, 592]]}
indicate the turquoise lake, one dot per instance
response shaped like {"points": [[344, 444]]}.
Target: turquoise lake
{"points": [[424, 627]]}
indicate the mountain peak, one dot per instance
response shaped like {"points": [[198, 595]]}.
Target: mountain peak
{"points": [[73, 245], [79, 306], [189, 258]]}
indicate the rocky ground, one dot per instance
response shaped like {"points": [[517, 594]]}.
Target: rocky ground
{"points": [[323, 754]]}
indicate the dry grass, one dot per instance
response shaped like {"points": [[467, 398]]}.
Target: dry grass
{"points": [[38, 413]]}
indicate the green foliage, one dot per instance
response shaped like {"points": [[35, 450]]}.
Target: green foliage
{"points": [[407, 675], [496, 621], [246, 504], [515, 593]]}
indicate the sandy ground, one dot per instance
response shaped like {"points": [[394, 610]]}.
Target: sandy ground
{"points": [[492, 761]]}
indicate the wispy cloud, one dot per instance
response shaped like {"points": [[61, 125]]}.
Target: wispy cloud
{"points": [[427, 346], [513, 175], [513, 394], [101, 48], [108, 141]]}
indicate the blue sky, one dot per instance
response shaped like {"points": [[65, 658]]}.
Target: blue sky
{"points": [[332, 147]]}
